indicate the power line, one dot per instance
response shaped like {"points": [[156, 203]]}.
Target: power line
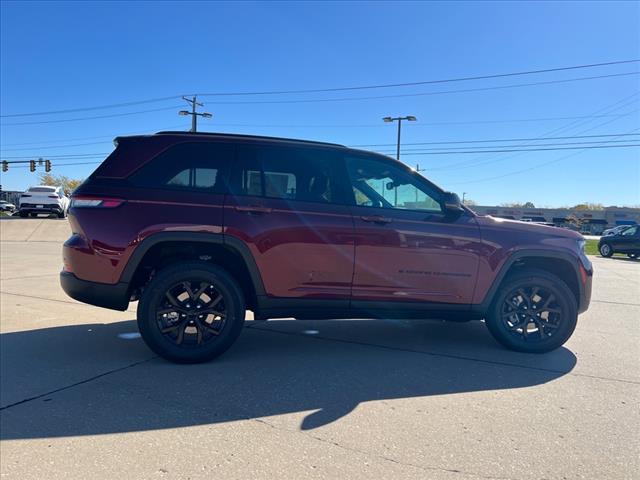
{"points": [[467, 149], [77, 155], [86, 109], [519, 150], [91, 118], [443, 92], [500, 140], [320, 90], [111, 137], [426, 82], [535, 167], [376, 125], [622, 103]]}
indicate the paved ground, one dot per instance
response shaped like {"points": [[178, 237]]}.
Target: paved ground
{"points": [[82, 397]]}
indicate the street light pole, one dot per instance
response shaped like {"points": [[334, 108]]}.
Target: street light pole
{"points": [[194, 115], [410, 118]]}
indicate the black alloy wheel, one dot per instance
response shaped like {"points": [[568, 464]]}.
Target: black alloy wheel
{"points": [[191, 312], [533, 311]]}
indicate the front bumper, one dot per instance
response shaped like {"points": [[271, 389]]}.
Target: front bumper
{"points": [[586, 279], [112, 296]]}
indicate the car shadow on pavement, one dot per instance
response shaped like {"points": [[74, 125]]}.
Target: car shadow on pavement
{"points": [[94, 379]]}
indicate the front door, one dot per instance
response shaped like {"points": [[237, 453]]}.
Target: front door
{"points": [[407, 248], [287, 204], [628, 241]]}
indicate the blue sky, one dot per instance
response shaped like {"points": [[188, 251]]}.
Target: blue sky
{"points": [[57, 56]]}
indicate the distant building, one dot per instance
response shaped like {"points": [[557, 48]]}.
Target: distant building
{"points": [[587, 221], [10, 196]]}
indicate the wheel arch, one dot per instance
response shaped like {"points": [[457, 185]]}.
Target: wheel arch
{"points": [[561, 264], [166, 248]]}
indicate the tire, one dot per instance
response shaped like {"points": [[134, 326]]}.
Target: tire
{"points": [[62, 214], [179, 343], [605, 250], [541, 333], [23, 214]]}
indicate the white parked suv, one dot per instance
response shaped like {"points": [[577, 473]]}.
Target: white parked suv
{"points": [[44, 199]]}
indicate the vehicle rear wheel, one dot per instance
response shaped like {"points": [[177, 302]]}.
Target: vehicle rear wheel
{"points": [[533, 312], [606, 250], [191, 312]]}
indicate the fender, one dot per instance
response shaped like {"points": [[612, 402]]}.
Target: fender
{"points": [[583, 297], [213, 238]]}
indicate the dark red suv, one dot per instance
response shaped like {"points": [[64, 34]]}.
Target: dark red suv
{"points": [[200, 227]]}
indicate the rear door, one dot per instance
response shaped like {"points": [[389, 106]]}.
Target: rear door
{"points": [[287, 203], [407, 249]]}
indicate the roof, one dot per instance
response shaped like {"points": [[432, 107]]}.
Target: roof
{"points": [[248, 137]]}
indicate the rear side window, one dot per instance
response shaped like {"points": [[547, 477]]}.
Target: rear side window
{"points": [[187, 166], [291, 173]]}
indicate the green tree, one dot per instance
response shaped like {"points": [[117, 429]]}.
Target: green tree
{"points": [[67, 184], [588, 206]]}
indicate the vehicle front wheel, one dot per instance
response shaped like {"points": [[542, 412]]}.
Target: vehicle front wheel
{"points": [[191, 312], [606, 250], [533, 312]]}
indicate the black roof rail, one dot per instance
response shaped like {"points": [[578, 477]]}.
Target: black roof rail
{"points": [[241, 135]]}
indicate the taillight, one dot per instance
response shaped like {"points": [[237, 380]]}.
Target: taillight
{"points": [[95, 202], [53, 196]]}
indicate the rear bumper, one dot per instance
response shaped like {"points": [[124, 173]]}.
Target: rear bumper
{"points": [[112, 296], [55, 208]]}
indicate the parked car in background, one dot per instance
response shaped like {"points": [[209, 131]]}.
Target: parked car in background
{"points": [[44, 199], [627, 241], [200, 227], [615, 230], [6, 206]]}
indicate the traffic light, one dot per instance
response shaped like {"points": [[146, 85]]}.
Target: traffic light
{"points": [[47, 165], [5, 165], [32, 165]]}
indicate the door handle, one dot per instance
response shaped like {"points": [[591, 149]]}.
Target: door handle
{"points": [[376, 219], [252, 209]]}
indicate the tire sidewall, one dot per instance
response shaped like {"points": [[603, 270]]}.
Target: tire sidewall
{"points": [[564, 297], [606, 250], [224, 283]]}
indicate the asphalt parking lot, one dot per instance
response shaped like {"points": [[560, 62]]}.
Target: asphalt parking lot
{"points": [[82, 397]]}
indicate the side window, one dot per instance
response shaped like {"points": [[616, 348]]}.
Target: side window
{"points": [[630, 231], [381, 184], [187, 166], [291, 173]]}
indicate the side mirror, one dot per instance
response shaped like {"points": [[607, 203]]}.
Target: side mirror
{"points": [[451, 203]]}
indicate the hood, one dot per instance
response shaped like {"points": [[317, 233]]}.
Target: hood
{"points": [[527, 227]]}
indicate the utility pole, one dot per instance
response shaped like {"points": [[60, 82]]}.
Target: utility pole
{"points": [[463, 195], [409, 118], [194, 114]]}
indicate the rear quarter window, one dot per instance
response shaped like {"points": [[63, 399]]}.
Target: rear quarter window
{"points": [[197, 166]]}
